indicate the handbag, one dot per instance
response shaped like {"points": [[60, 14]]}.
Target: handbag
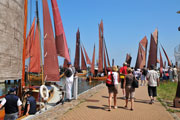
{"points": [[135, 83]]}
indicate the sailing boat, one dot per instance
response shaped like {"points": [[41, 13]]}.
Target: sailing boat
{"points": [[103, 55]]}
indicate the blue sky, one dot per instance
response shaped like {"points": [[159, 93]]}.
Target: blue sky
{"points": [[126, 22]]}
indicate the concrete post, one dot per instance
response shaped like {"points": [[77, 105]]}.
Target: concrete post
{"points": [[75, 87]]}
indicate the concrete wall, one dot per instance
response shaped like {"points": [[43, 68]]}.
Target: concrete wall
{"points": [[11, 38]]}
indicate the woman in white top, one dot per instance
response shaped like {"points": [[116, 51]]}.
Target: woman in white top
{"points": [[113, 90]]}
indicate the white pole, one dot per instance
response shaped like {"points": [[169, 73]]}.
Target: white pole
{"points": [[75, 87]]}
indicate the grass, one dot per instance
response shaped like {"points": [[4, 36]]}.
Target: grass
{"points": [[166, 94], [167, 90]]}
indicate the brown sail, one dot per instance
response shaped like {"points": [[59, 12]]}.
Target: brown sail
{"points": [[83, 62], [161, 64], [51, 68], [87, 58], [100, 62], [60, 39], [30, 39], [144, 43], [139, 57], [34, 65], [169, 63], [77, 52], [153, 49], [93, 61]]}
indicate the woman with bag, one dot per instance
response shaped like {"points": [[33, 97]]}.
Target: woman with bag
{"points": [[112, 84], [130, 90]]}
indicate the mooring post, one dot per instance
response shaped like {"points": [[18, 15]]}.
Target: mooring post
{"points": [[75, 87]]}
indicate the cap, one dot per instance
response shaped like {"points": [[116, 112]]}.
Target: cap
{"points": [[12, 89], [69, 63]]}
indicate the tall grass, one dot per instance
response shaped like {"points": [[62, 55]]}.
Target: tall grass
{"points": [[167, 90]]}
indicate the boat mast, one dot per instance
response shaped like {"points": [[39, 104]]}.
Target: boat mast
{"points": [[38, 25]]}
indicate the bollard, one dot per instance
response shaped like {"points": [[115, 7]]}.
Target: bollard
{"points": [[75, 87]]}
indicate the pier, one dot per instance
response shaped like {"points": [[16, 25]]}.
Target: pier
{"points": [[93, 105]]}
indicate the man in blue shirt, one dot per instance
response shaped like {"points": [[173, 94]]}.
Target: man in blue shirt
{"points": [[30, 107], [12, 105]]}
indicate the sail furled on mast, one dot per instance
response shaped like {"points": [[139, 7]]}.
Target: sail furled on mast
{"points": [[51, 68], [169, 62], [35, 59], [77, 52], [107, 54], [105, 66], [152, 59], [83, 62], [60, 38], [87, 58], [161, 64], [128, 59], [100, 63], [93, 61]]}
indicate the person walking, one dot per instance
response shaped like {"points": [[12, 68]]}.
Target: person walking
{"points": [[69, 73], [12, 105], [153, 82], [175, 74], [30, 106], [123, 72], [130, 90], [144, 72], [113, 76]]}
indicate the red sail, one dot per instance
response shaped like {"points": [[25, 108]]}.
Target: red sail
{"points": [[144, 43], [139, 57], [161, 64], [35, 54], [100, 63], [83, 63], [105, 66], [51, 68], [93, 61], [153, 49], [77, 54], [169, 63], [61, 43], [87, 58], [29, 40]]}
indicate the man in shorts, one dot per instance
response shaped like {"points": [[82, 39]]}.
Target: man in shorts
{"points": [[153, 82], [123, 72]]}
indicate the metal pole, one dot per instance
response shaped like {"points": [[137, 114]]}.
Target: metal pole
{"points": [[75, 87]]}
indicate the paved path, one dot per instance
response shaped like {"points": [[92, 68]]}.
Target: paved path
{"points": [[95, 108]]}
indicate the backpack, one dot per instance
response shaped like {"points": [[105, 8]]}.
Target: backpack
{"points": [[145, 72], [68, 72], [110, 80]]}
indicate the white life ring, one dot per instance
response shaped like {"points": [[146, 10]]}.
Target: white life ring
{"points": [[44, 92]]}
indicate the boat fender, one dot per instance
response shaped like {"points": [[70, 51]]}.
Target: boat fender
{"points": [[44, 92]]}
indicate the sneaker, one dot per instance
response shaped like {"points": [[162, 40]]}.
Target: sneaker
{"points": [[152, 101]]}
